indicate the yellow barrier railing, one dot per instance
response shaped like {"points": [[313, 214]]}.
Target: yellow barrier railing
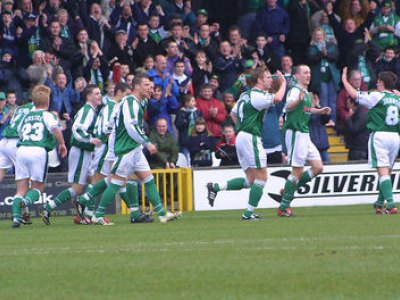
{"points": [[175, 188]]}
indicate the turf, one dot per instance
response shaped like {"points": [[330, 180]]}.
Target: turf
{"points": [[322, 253]]}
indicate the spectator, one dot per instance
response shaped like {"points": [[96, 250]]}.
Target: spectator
{"points": [[162, 77], [122, 50], [148, 63], [8, 33], [202, 69], [225, 149], [167, 150], [97, 70], [348, 34], [173, 55], [318, 130], [263, 55], [204, 41], [97, 25], [63, 48], [156, 29], [388, 62], [185, 120], [212, 110], [161, 105], [273, 21], [238, 43], [184, 82], [286, 68], [201, 144], [122, 19], [110, 86], [182, 9], [69, 28], [143, 45], [229, 102], [342, 107], [37, 71], [247, 14], [325, 77], [214, 83], [386, 26], [12, 77], [227, 65], [185, 45], [201, 19], [354, 9]]}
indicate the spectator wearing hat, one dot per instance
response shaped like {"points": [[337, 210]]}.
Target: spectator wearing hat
{"points": [[274, 22], [214, 83], [201, 18], [122, 18], [12, 76], [204, 41], [4, 114], [121, 51], [227, 65], [8, 33], [29, 38], [143, 45], [386, 26]]}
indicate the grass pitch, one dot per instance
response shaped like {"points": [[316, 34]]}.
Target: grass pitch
{"points": [[323, 253]]}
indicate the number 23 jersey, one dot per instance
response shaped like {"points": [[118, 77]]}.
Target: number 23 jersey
{"points": [[36, 129], [383, 113]]}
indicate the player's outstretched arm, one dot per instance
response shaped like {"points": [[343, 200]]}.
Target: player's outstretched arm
{"points": [[349, 88], [321, 111], [282, 89]]}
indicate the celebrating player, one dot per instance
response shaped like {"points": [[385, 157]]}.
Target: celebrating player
{"points": [[248, 114], [384, 140]]}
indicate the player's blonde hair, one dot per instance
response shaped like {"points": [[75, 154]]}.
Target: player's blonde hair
{"points": [[41, 95]]}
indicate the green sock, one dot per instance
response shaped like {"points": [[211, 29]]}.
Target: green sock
{"points": [[305, 177], [61, 198], [16, 208], [131, 199], [107, 198], [154, 197], [385, 185], [236, 184], [32, 196], [381, 200], [256, 192], [92, 191], [290, 189]]}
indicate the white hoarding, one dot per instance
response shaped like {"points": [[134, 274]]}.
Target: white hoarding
{"points": [[338, 185]]}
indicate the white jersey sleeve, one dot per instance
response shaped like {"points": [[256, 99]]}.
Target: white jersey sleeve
{"points": [[292, 96], [261, 100], [80, 127], [50, 121], [132, 122], [369, 99]]}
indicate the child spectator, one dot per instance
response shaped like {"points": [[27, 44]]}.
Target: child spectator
{"points": [[212, 110], [183, 81], [201, 144], [110, 86], [148, 63], [225, 148], [185, 120], [202, 70]]}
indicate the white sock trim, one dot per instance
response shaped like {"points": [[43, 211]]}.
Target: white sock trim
{"points": [[384, 178]]}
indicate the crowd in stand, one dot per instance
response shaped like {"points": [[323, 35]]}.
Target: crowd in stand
{"points": [[198, 54]]}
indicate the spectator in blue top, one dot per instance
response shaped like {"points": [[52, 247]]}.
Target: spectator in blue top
{"points": [[161, 77], [273, 21], [181, 8]]}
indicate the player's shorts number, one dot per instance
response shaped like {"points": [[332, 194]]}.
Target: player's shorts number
{"points": [[32, 132], [392, 115]]}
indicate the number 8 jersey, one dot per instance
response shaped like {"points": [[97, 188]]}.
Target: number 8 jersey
{"points": [[383, 113], [36, 129]]}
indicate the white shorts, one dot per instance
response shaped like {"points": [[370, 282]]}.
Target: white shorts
{"points": [[78, 165], [32, 162], [383, 148], [130, 162], [300, 148], [98, 158], [8, 153], [250, 151]]}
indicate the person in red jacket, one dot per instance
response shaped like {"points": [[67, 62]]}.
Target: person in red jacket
{"points": [[212, 110]]}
